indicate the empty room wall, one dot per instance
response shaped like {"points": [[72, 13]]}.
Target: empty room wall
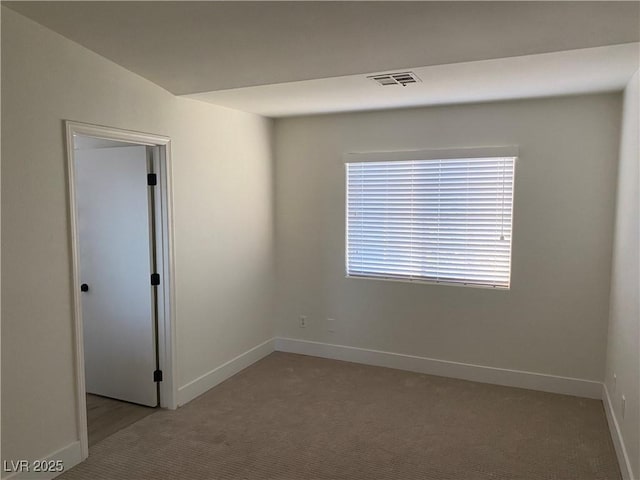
{"points": [[222, 171], [623, 358], [553, 320]]}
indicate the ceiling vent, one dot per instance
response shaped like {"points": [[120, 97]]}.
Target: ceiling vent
{"points": [[401, 78]]}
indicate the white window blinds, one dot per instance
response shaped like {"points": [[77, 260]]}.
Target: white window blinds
{"points": [[432, 220]]}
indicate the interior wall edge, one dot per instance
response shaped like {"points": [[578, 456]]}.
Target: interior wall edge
{"points": [[443, 368], [616, 436], [205, 382], [70, 456]]}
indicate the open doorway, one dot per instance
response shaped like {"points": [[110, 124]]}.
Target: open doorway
{"points": [[122, 268]]}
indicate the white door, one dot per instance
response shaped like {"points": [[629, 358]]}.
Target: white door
{"points": [[115, 269]]}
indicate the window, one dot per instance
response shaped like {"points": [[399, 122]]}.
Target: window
{"points": [[437, 220]]}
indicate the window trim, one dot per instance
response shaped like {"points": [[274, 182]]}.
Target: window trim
{"points": [[512, 151], [431, 154]]}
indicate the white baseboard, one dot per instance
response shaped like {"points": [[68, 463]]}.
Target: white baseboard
{"points": [[616, 435], [197, 387], [70, 456], [444, 368]]}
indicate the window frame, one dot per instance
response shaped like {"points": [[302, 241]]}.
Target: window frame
{"points": [[509, 151]]}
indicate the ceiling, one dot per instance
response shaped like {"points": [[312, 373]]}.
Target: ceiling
{"points": [[289, 58], [598, 69]]}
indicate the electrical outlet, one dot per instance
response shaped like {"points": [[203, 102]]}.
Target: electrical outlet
{"points": [[331, 325], [624, 405], [303, 321], [615, 381]]}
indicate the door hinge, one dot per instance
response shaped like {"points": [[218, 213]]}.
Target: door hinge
{"points": [[157, 376], [152, 179], [155, 279]]}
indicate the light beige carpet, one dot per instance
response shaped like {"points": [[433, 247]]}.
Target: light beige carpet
{"points": [[294, 417], [105, 416]]}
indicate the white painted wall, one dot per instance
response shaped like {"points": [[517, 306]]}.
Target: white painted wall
{"points": [[222, 211], [554, 318], [623, 357]]}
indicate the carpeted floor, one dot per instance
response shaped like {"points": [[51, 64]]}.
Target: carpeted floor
{"points": [[105, 416], [294, 417]]}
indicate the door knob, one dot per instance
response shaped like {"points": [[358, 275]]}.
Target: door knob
{"points": [[84, 287]]}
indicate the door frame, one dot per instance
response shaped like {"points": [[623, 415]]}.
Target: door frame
{"points": [[165, 259]]}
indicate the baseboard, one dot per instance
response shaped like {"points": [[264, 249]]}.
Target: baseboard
{"points": [[197, 387], [616, 435], [444, 368], [70, 456]]}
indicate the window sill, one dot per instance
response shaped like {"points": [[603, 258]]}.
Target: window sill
{"points": [[429, 282]]}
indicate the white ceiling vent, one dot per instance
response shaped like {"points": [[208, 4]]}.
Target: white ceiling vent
{"points": [[400, 78]]}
